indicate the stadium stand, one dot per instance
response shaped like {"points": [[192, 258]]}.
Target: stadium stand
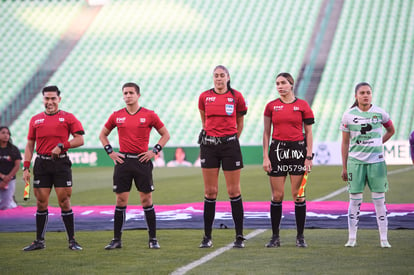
{"points": [[374, 42], [29, 30], [170, 48]]}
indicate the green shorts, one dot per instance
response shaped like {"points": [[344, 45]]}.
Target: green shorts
{"points": [[373, 174]]}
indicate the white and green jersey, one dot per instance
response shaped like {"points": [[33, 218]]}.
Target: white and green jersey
{"points": [[365, 128]]}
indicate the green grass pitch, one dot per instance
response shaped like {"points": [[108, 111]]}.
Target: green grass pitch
{"points": [[325, 254]]}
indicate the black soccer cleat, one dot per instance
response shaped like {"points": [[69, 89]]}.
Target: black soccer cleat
{"points": [[114, 244], [239, 242], [274, 242], [300, 241], [206, 242], [36, 244], [73, 245], [153, 244]]}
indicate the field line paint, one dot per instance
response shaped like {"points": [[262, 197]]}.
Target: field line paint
{"points": [[343, 189], [184, 269], [208, 257]]}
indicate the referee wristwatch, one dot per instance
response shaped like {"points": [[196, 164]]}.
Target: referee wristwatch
{"points": [[60, 145], [310, 157]]}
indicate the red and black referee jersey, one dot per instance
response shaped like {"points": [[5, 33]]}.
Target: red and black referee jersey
{"points": [[288, 119], [49, 130], [134, 129], [220, 111]]}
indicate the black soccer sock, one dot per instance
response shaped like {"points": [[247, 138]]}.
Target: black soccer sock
{"points": [[119, 220], [237, 213], [67, 217], [151, 221], [209, 213], [42, 218], [300, 214], [275, 216]]}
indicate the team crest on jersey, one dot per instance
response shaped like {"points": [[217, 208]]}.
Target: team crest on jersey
{"points": [[230, 99], [142, 120], [39, 121], [120, 119], [229, 109], [210, 99], [278, 108], [374, 119], [295, 108], [61, 119]]}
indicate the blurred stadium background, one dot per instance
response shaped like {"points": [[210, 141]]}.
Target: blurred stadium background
{"points": [[170, 47]]}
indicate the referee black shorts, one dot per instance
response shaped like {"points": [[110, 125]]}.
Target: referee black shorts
{"points": [[48, 172], [226, 153], [287, 157], [133, 169]]}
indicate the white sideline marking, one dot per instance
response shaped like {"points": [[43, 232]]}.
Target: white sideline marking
{"points": [[343, 189], [208, 257], [184, 269]]}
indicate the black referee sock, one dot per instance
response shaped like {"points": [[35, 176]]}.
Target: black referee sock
{"points": [[67, 217], [151, 221], [119, 220], [209, 214], [42, 218], [275, 216], [237, 212], [300, 214]]}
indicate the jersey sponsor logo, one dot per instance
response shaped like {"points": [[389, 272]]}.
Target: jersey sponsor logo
{"points": [[278, 108], [364, 142], [120, 119], [229, 109], [210, 99], [365, 128], [7, 158], [282, 153], [39, 121], [361, 119]]}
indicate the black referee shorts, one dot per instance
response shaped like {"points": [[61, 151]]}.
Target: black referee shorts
{"points": [[226, 154], [287, 157], [48, 173], [133, 169]]}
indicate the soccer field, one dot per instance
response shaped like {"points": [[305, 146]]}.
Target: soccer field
{"points": [[179, 248]]}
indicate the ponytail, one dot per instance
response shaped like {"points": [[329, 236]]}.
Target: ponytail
{"points": [[230, 88], [355, 104]]}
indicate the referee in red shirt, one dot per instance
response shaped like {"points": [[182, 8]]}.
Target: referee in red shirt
{"points": [[133, 162], [222, 111], [290, 153], [50, 132]]}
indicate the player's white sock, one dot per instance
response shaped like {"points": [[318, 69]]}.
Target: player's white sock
{"points": [[355, 201], [381, 212]]}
